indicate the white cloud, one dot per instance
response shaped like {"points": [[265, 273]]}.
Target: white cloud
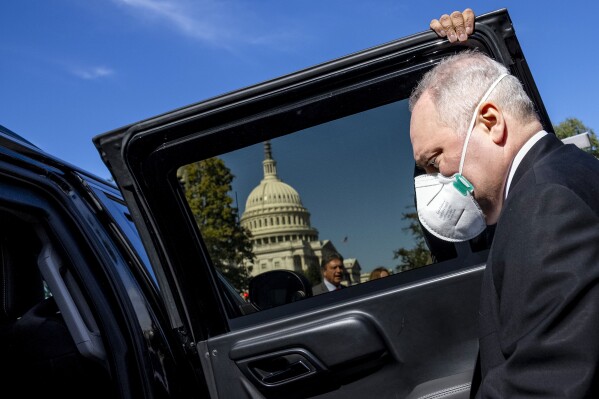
{"points": [[178, 14], [92, 72], [218, 23]]}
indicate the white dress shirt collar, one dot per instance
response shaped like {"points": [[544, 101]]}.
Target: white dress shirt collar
{"points": [[330, 287], [520, 155]]}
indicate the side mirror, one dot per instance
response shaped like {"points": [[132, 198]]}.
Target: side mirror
{"points": [[278, 287]]}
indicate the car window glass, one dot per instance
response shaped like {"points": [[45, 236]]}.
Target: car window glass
{"points": [[343, 186]]}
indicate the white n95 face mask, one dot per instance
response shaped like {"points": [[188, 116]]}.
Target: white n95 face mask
{"points": [[445, 205]]}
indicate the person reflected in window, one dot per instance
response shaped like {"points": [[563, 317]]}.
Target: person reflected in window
{"points": [[379, 272], [332, 274]]}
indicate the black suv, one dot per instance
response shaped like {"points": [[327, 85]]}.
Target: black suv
{"points": [[88, 311]]}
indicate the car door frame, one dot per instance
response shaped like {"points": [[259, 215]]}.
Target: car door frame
{"points": [[143, 158]]}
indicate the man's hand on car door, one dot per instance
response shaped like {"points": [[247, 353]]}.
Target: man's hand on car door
{"points": [[456, 27]]}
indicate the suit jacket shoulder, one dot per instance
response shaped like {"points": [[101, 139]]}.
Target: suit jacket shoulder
{"points": [[541, 282], [319, 289]]}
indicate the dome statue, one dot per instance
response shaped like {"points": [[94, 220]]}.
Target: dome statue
{"points": [[274, 211], [281, 233]]}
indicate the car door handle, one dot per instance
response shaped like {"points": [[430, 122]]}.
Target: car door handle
{"points": [[283, 367], [288, 372]]}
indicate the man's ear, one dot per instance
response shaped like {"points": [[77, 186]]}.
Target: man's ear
{"points": [[493, 122]]}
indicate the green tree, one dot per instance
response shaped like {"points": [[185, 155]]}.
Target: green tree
{"points": [[571, 127], [314, 273], [417, 256], [207, 185]]}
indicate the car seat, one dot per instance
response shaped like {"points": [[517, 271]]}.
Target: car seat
{"points": [[37, 353]]}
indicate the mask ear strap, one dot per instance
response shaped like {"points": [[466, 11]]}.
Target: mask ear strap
{"points": [[471, 127]]}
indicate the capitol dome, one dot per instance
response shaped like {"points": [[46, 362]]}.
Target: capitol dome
{"points": [[273, 211], [281, 234], [272, 192]]}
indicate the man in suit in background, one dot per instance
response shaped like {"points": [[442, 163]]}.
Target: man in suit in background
{"points": [[332, 273], [488, 161]]}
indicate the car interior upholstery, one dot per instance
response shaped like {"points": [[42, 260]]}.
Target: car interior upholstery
{"points": [[37, 352]]}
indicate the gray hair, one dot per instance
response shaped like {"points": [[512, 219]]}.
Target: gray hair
{"points": [[458, 82], [329, 256]]}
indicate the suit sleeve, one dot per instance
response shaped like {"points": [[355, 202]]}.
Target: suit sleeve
{"points": [[548, 295]]}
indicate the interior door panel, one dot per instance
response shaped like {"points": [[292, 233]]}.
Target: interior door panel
{"points": [[412, 340]]}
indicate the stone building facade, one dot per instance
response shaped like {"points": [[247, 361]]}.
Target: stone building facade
{"points": [[282, 235]]}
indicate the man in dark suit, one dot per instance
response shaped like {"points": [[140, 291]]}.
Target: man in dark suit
{"points": [[333, 272], [539, 314]]}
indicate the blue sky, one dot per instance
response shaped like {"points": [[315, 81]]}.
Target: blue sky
{"points": [[354, 175], [72, 69]]}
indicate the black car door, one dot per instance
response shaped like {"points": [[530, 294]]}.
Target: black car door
{"points": [[322, 161]]}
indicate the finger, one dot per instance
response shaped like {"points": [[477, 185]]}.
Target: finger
{"points": [[457, 19], [468, 20], [436, 26], [448, 27]]}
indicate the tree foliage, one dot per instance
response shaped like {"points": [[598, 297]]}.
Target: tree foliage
{"points": [[573, 126], [417, 256], [314, 273], [207, 184]]}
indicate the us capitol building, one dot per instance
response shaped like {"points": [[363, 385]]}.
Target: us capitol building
{"points": [[282, 236]]}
